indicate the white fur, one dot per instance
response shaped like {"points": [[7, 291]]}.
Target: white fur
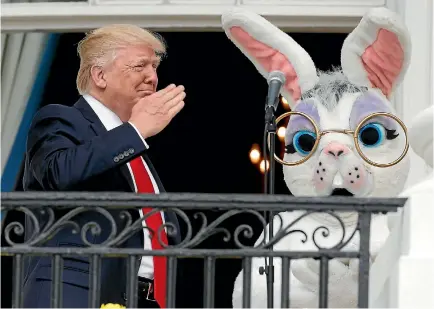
{"points": [[422, 144], [364, 35], [300, 179], [259, 28], [304, 273], [333, 94]]}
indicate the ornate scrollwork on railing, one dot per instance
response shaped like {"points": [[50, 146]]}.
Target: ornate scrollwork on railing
{"points": [[323, 230], [45, 226], [51, 212]]}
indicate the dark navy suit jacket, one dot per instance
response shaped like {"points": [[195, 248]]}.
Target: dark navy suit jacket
{"points": [[69, 149]]}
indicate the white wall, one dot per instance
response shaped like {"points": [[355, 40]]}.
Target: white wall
{"points": [[415, 93]]}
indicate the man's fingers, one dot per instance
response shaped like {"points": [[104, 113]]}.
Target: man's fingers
{"points": [[172, 93], [169, 104], [163, 91], [175, 109]]}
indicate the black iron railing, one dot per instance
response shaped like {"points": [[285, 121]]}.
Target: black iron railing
{"points": [[51, 212]]}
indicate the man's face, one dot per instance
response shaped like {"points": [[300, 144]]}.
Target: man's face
{"points": [[130, 77]]}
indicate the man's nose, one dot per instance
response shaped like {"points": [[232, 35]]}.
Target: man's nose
{"points": [[151, 78], [336, 149]]}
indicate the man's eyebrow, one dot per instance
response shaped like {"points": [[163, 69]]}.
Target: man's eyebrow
{"points": [[146, 61]]}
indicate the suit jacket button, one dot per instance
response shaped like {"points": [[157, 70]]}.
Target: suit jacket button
{"points": [[121, 156], [126, 153], [116, 159], [131, 150]]}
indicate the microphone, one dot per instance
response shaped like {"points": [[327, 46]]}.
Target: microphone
{"points": [[275, 81]]}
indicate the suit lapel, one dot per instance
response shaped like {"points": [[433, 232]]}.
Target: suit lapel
{"points": [[127, 175], [90, 115], [169, 216], [99, 129], [154, 173]]}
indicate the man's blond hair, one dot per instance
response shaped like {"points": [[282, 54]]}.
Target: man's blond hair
{"points": [[100, 45]]}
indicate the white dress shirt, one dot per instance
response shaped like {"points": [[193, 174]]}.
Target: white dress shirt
{"points": [[110, 121]]}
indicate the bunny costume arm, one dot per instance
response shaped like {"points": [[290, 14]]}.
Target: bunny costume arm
{"points": [[374, 57]]}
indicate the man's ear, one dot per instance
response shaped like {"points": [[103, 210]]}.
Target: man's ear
{"points": [[98, 76]]}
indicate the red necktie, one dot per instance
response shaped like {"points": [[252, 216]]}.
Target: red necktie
{"points": [[144, 185]]}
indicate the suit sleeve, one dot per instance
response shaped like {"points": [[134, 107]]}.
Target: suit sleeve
{"points": [[60, 158]]}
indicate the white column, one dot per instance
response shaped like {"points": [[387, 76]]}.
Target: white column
{"points": [[415, 270], [415, 93], [414, 275], [417, 86]]}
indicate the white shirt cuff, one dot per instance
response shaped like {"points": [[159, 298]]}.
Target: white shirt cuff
{"points": [[143, 140]]}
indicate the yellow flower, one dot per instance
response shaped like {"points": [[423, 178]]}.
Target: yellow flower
{"points": [[110, 305]]}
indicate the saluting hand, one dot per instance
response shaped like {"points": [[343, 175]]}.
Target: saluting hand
{"points": [[153, 113]]}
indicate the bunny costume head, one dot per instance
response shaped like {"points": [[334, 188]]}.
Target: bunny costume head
{"points": [[374, 59]]}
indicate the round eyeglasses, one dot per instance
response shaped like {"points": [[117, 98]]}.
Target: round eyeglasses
{"points": [[377, 138]]}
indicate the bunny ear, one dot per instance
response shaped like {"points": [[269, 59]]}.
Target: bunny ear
{"points": [[270, 49], [376, 54]]}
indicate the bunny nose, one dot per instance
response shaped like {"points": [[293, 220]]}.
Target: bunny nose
{"points": [[336, 149]]}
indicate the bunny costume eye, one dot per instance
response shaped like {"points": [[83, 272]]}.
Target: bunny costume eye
{"points": [[302, 142], [372, 135]]}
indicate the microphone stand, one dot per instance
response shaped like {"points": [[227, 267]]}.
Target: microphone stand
{"points": [[270, 131]]}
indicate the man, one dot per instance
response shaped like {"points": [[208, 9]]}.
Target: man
{"points": [[99, 144]]}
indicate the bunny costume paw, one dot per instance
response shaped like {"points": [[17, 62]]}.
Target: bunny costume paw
{"points": [[348, 129]]}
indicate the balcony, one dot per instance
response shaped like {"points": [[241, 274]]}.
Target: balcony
{"points": [[53, 213]]}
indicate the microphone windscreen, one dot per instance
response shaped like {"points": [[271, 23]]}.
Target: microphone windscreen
{"points": [[276, 75]]}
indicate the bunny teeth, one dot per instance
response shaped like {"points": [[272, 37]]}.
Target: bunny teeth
{"points": [[338, 181]]}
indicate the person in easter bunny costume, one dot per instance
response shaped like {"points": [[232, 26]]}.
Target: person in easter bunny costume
{"points": [[345, 158]]}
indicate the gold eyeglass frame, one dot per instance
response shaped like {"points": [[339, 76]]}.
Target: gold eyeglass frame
{"points": [[354, 134]]}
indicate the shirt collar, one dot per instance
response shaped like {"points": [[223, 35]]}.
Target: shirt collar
{"points": [[108, 118]]}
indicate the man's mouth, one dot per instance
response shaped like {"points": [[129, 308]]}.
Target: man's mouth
{"points": [[341, 192], [146, 92]]}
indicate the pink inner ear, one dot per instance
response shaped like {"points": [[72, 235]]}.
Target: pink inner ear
{"points": [[383, 61], [270, 59]]}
